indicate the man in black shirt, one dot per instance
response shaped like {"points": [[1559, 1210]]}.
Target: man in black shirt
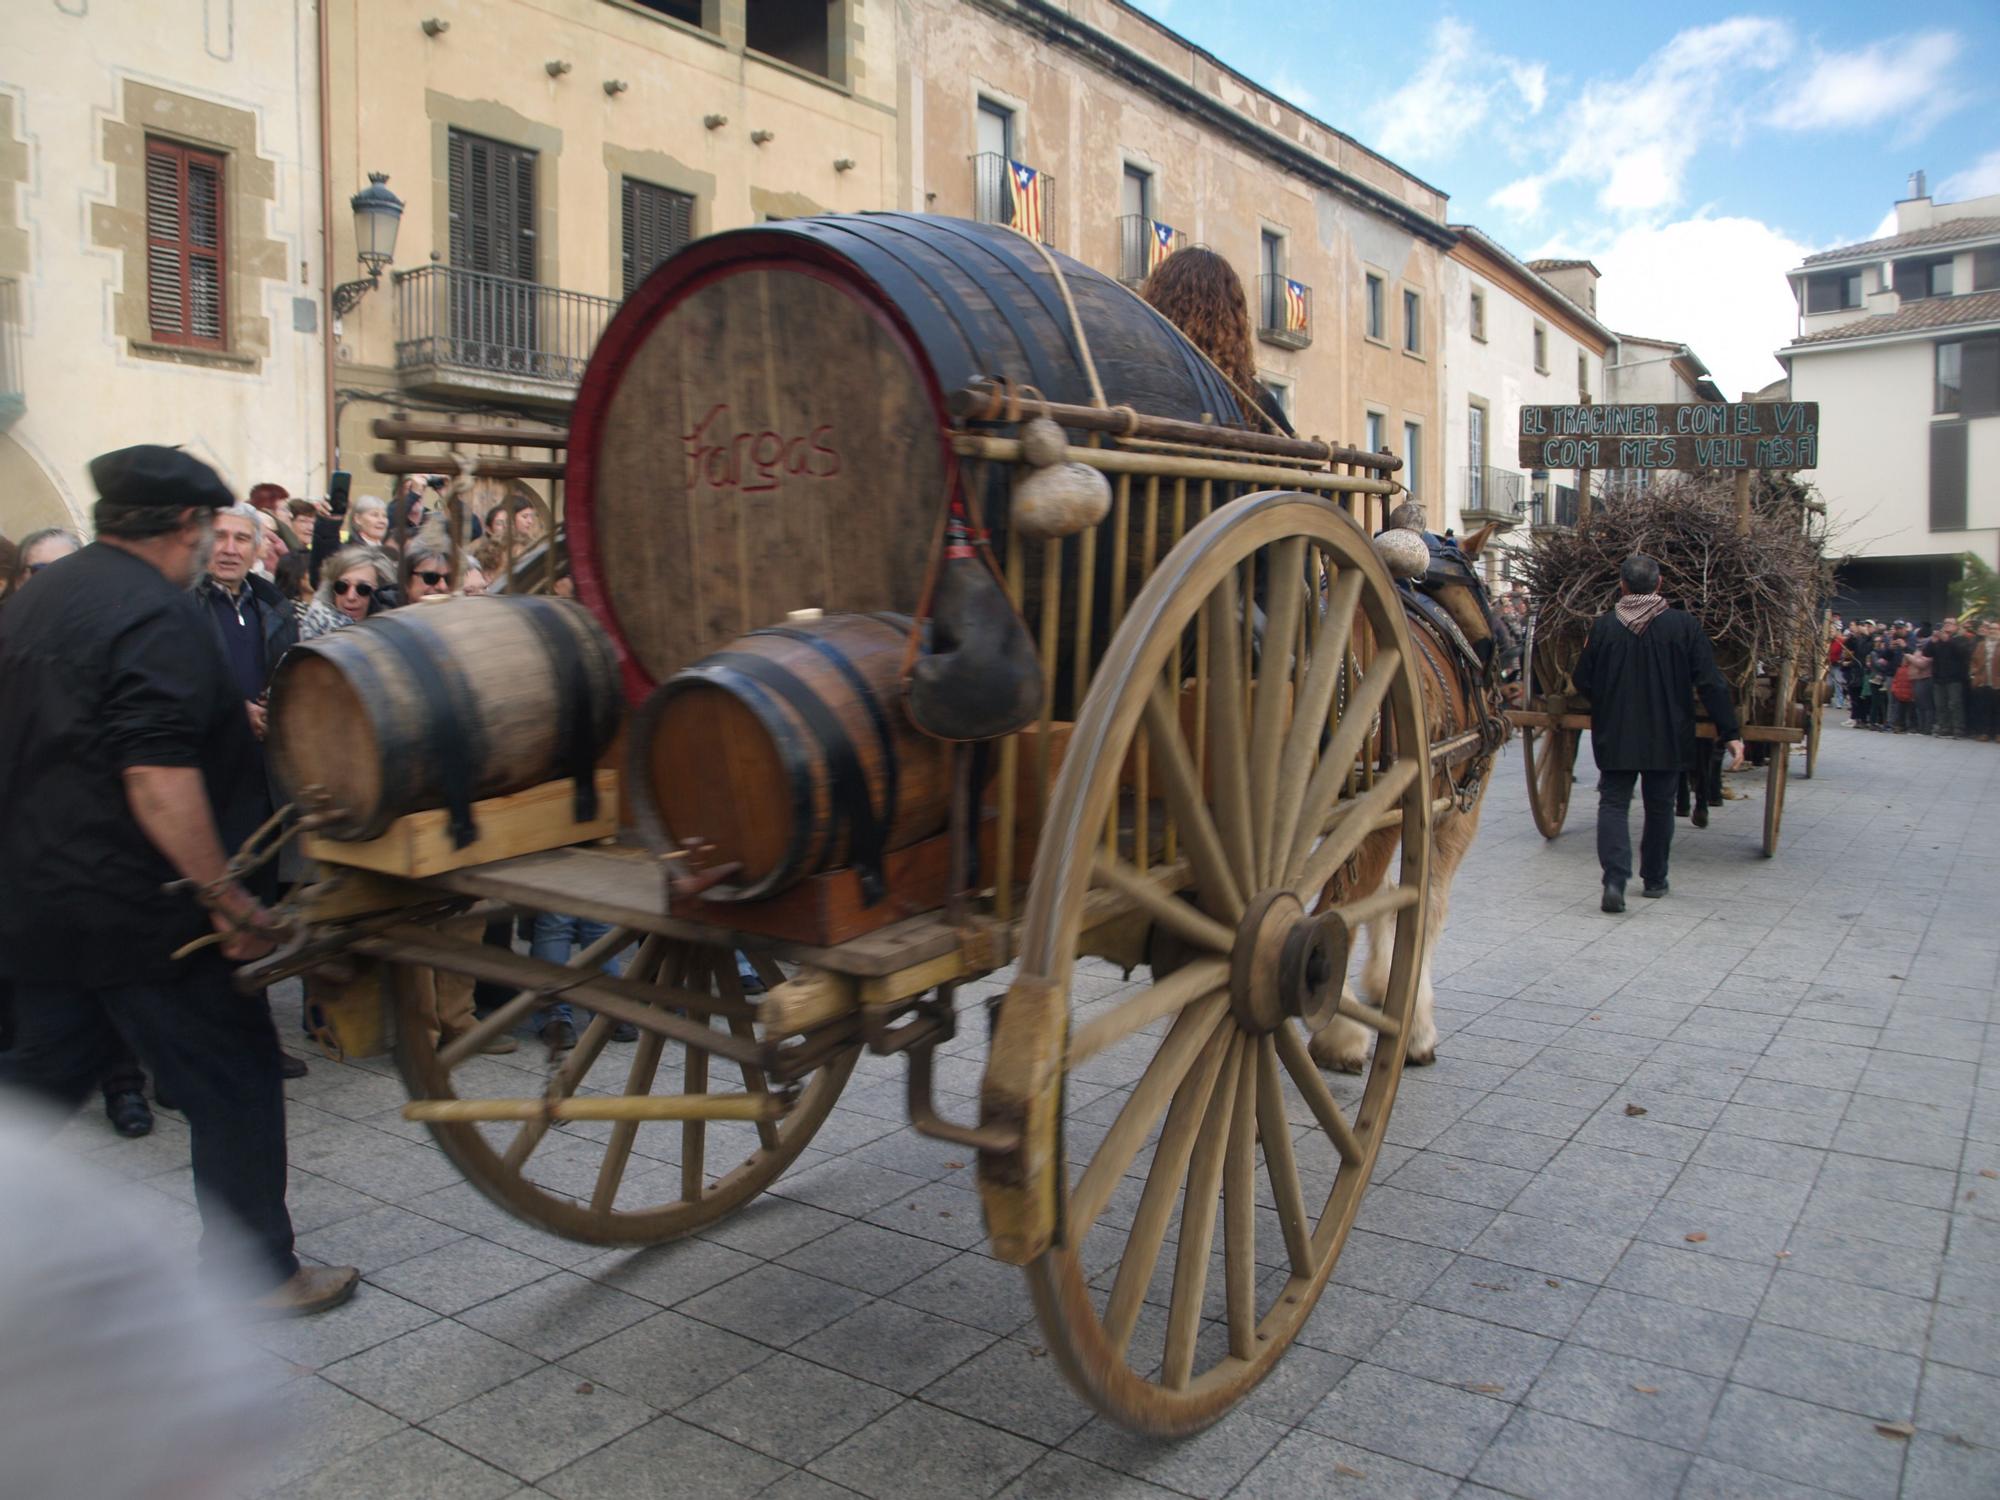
{"points": [[124, 732], [1641, 669]]}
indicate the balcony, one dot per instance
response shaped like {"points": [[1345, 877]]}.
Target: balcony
{"points": [[1284, 312], [469, 333], [1555, 508], [1137, 236], [1000, 197], [13, 386], [1494, 495]]}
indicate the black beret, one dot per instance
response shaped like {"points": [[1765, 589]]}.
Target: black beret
{"points": [[150, 476]]}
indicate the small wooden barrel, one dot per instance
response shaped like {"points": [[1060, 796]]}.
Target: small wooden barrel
{"points": [[437, 705], [789, 752]]}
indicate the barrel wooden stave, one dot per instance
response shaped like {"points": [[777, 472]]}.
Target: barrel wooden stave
{"points": [[350, 714], [762, 427], [723, 757]]}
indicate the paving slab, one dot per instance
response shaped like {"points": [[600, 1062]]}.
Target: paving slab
{"points": [[1693, 1203]]}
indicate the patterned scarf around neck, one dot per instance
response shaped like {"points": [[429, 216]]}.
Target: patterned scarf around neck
{"points": [[1637, 611]]}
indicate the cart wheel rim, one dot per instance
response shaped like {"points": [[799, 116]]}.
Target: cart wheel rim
{"points": [[622, 1183], [1249, 1130], [1548, 756]]}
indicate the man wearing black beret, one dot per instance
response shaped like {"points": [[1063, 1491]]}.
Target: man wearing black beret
{"points": [[125, 730]]}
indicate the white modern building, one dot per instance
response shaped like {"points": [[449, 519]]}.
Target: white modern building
{"points": [[1899, 343], [1512, 337]]}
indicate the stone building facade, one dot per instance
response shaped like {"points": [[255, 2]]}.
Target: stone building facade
{"points": [[159, 267]]}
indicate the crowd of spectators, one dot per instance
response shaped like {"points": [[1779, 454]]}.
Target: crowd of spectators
{"points": [[286, 570], [1896, 677]]}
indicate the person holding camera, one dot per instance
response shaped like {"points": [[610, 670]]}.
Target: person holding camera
{"points": [[126, 734]]}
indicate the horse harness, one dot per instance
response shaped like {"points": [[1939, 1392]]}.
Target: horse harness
{"points": [[1478, 675]]}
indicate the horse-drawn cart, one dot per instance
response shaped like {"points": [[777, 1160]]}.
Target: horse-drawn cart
{"points": [[787, 440], [1754, 577]]}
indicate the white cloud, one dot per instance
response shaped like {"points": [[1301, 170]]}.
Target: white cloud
{"points": [[1287, 87], [1900, 77], [1462, 86], [1522, 198], [1715, 284], [1633, 137], [1976, 181]]}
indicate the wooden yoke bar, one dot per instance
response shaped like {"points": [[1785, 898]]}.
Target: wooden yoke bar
{"points": [[636, 1107], [482, 468], [460, 434], [987, 401], [1173, 466]]}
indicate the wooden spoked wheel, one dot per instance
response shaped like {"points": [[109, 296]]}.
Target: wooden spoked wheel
{"points": [[1549, 758], [1274, 770], [1774, 795], [622, 1182], [1815, 722]]}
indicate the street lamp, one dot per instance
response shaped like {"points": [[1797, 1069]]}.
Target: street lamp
{"points": [[377, 214]]}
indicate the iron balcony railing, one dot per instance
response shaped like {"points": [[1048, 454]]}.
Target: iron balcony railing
{"points": [[1000, 195], [474, 321], [1135, 249], [1556, 508], [1284, 313], [13, 385], [1495, 492]]}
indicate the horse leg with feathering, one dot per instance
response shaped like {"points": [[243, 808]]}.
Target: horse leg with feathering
{"points": [[1454, 631]]}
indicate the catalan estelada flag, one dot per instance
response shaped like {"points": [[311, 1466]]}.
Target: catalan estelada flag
{"points": [[1159, 246], [1025, 187], [1297, 307]]}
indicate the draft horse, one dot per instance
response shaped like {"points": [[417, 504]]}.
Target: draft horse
{"points": [[1456, 634]]}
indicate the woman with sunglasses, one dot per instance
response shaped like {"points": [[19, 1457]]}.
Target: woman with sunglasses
{"points": [[39, 549], [426, 571], [358, 581]]}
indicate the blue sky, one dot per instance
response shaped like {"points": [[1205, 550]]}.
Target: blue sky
{"points": [[1693, 151]]}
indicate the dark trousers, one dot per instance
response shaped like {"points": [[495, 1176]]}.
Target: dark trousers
{"points": [[1950, 707], [1614, 824], [1984, 715], [215, 1052]]}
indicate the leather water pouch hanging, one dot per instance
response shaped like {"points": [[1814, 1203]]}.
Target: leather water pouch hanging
{"points": [[979, 677]]}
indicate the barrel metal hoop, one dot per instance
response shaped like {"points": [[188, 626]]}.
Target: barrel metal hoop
{"points": [[866, 833], [458, 740], [791, 749], [945, 246], [865, 693], [576, 750], [395, 749]]}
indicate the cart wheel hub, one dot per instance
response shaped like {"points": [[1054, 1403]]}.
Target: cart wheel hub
{"points": [[1285, 964]]}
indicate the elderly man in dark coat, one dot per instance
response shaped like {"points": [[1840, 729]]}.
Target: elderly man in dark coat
{"points": [[1642, 669]]}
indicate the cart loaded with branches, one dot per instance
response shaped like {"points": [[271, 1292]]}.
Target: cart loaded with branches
{"points": [[974, 628], [1745, 554]]}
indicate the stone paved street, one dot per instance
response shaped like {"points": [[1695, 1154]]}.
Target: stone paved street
{"points": [[1696, 1202]]}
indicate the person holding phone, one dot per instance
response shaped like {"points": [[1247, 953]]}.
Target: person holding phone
{"points": [[1642, 668]]}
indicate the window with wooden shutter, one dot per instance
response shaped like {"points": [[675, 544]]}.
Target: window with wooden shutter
{"points": [[185, 267], [492, 205], [658, 222]]}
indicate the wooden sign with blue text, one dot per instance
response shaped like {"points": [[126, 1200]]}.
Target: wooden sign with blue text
{"points": [[1685, 435]]}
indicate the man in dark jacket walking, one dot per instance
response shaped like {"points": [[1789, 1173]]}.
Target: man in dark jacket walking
{"points": [[1641, 670]]}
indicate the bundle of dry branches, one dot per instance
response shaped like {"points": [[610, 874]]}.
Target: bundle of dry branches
{"points": [[1757, 595]]}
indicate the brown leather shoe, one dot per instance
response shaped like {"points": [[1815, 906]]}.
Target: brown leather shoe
{"points": [[311, 1289]]}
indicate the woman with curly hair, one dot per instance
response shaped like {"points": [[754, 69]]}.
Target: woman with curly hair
{"points": [[1200, 293]]}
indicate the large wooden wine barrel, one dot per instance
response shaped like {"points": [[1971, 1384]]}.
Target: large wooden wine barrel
{"points": [[438, 704], [762, 427], [789, 752]]}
